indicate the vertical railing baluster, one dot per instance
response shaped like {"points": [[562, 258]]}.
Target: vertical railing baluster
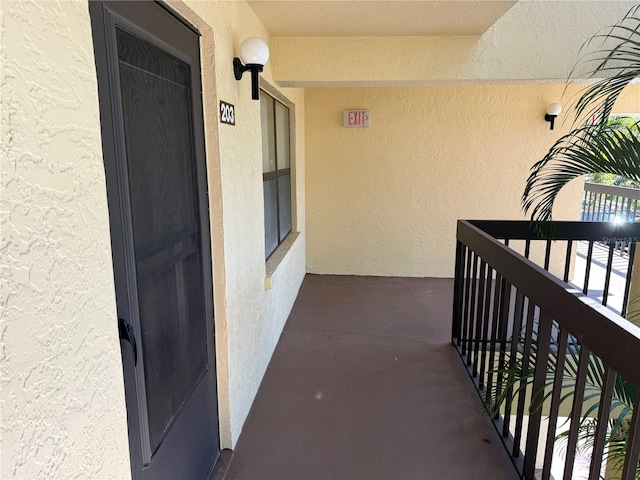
{"points": [[457, 292], [598, 216], [482, 281], [522, 388], [607, 277], [515, 342], [567, 260], [576, 411], [527, 248], [627, 211], [627, 282], [537, 399], [586, 206], [468, 346], [587, 270], [547, 255], [503, 329], [556, 395], [604, 411], [497, 300], [490, 294], [465, 304], [630, 469]]}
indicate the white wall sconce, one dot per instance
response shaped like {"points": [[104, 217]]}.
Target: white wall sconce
{"points": [[553, 111], [254, 53]]}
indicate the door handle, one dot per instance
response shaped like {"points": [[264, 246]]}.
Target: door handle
{"points": [[125, 331]]}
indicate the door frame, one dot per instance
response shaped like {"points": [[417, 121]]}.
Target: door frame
{"points": [[103, 18]]}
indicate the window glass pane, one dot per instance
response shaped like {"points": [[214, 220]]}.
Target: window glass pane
{"points": [[282, 135], [268, 133], [284, 195], [270, 216]]}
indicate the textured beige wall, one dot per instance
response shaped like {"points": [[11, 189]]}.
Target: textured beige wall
{"points": [[249, 318], [63, 412], [534, 40], [384, 200]]}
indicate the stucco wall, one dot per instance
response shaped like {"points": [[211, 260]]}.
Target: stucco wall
{"points": [[535, 40], [249, 318], [63, 413], [384, 200]]}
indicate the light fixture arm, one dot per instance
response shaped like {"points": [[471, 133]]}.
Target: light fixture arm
{"points": [[255, 69], [551, 119]]}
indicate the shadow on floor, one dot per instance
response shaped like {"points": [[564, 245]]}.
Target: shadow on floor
{"points": [[364, 384]]}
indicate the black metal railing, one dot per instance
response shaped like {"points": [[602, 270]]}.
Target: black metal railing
{"points": [[538, 349], [607, 203]]}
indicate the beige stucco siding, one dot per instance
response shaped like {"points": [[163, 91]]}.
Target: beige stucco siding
{"points": [[249, 318], [380, 201], [384, 200], [534, 41], [63, 413]]}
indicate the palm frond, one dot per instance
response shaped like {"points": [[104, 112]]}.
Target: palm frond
{"points": [[619, 65], [588, 149], [612, 58], [517, 376]]}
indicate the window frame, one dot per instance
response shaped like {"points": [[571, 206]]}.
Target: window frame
{"points": [[277, 173]]}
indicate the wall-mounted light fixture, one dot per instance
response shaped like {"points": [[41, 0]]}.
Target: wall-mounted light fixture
{"points": [[553, 111], [254, 53]]}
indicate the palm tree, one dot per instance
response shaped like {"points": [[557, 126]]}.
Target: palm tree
{"points": [[594, 145]]}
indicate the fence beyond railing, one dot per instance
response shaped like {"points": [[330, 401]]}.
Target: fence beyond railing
{"points": [[540, 349], [608, 203]]}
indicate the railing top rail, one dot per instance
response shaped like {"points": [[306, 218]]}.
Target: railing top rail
{"points": [[591, 231], [632, 193], [615, 340]]}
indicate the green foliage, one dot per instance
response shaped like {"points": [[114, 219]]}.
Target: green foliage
{"points": [[619, 122], [596, 145], [517, 379], [587, 149], [606, 150]]}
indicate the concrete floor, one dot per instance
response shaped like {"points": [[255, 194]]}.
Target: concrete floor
{"points": [[364, 384]]}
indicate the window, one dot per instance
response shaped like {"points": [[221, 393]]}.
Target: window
{"points": [[276, 171]]}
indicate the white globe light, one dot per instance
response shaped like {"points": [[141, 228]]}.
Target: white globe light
{"points": [[554, 109], [254, 51]]}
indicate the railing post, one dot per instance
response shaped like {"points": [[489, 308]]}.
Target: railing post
{"points": [[457, 292]]}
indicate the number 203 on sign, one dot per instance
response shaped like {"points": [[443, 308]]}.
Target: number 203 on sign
{"points": [[227, 113]]}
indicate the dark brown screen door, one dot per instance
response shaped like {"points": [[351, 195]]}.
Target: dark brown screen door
{"points": [[151, 114]]}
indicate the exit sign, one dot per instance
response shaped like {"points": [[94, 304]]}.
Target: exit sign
{"points": [[355, 118]]}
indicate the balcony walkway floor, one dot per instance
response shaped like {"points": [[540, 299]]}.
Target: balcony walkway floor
{"points": [[364, 384]]}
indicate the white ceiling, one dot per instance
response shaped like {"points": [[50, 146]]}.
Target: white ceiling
{"points": [[373, 18]]}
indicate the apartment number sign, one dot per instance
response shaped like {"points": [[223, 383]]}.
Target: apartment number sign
{"points": [[227, 113]]}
